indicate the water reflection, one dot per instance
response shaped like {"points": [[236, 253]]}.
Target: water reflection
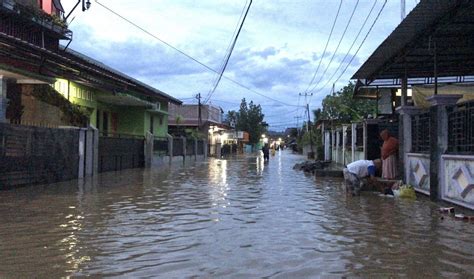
{"points": [[212, 219]]}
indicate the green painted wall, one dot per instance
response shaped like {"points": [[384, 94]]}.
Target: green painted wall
{"points": [[130, 120]]}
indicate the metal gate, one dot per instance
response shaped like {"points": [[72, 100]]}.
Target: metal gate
{"points": [[35, 155], [117, 153]]}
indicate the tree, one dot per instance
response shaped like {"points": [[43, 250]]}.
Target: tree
{"points": [[249, 118], [341, 106]]}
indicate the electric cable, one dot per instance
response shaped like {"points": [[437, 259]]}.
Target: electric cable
{"points": [[325, 48], [350, 48], [339, 43], [189, 56]]}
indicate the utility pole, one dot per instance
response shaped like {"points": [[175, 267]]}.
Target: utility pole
{"points": [[198, 97], [308, 125], [402, 9]]}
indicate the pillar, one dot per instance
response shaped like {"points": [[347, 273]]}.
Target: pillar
{"points": [[149, 141], [170, 147], [406, 114], [195, 149], [205, 143], [344, 141], [91, 151], [3, 99], [184, 148], [82, 146], [439, 138], [364, 139], [353, 141]]}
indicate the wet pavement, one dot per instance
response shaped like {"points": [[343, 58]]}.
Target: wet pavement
{"points": [[225, 218]]}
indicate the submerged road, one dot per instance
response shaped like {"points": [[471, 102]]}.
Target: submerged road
{"points": [[225, 218]]}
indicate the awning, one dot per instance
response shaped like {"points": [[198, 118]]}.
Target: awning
{"points": [[121, 99], [444, 26]]}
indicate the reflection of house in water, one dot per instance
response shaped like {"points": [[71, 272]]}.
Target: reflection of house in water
{"points": [[432, 53]]}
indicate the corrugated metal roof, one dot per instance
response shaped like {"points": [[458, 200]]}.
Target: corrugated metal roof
{"points": [[410, 47], [125, 76]]}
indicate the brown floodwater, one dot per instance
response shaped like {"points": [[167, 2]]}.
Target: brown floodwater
{"points": [[225, 218]]}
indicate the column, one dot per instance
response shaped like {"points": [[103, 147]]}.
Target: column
{"points": [[195, 149], [170, 147], [364, 138], [91, 151], [3, 99], [439, 138], [184, 148], [149, 138], [406, 114], [82, 145], [353, 141], [344, 141]]}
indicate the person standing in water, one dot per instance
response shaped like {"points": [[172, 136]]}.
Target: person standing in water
{"points": [[266, 153], [389, 153]]}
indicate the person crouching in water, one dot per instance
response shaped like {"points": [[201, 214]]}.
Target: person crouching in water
{"points": [[266, 153], [360, 173]]}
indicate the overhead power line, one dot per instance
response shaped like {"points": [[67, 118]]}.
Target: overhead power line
{"points": [[229, 53], [360, 45], [325, 48], [338, 44], [187, 55], [350, 48]]}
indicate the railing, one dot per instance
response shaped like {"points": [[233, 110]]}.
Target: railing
{"points": [[461, 129], [420, 133]]}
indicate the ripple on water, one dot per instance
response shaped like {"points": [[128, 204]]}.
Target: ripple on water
{"points": [[225, 218]]}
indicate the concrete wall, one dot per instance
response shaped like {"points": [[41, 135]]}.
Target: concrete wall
{"points": [[417, 172], [457, 185]]}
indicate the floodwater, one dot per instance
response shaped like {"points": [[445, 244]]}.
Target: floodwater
{"points": [[225, 218]]}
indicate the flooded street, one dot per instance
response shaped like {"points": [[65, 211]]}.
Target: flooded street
{"points": [[225, 218]]}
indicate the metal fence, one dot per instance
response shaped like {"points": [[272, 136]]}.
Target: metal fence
{"points": [[121, 152], [178, 147], [461, 129], [35, 155], [200, 148], [160, 146], [420, 133], [190, 143]]}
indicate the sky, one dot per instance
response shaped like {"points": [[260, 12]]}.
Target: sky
{"points": [[277, 54]]}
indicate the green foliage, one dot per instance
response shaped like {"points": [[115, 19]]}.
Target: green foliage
{"points": [[249, 118], [74, 114], [342, 107]]}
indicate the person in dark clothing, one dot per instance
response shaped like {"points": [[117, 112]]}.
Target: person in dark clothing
{"points": [[266, 152]]}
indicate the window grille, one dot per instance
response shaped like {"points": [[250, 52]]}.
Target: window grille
{"points": [[420, 135], [461, 129]]}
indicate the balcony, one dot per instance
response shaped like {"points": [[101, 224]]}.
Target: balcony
{"points": [[30, 14]]}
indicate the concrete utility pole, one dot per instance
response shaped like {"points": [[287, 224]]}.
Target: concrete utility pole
{"points": [[402, 9], [198, 97], [308, 128]]}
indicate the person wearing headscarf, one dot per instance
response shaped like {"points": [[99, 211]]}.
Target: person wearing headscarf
{"points": [[389, 153]]}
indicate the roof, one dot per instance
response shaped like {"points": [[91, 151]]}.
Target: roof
{"points": [[107, 68], [444, 25]]}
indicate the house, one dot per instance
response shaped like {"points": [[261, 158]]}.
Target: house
{"points": [[432, 53], [64, 115], [185, 120], [28, 65]]}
